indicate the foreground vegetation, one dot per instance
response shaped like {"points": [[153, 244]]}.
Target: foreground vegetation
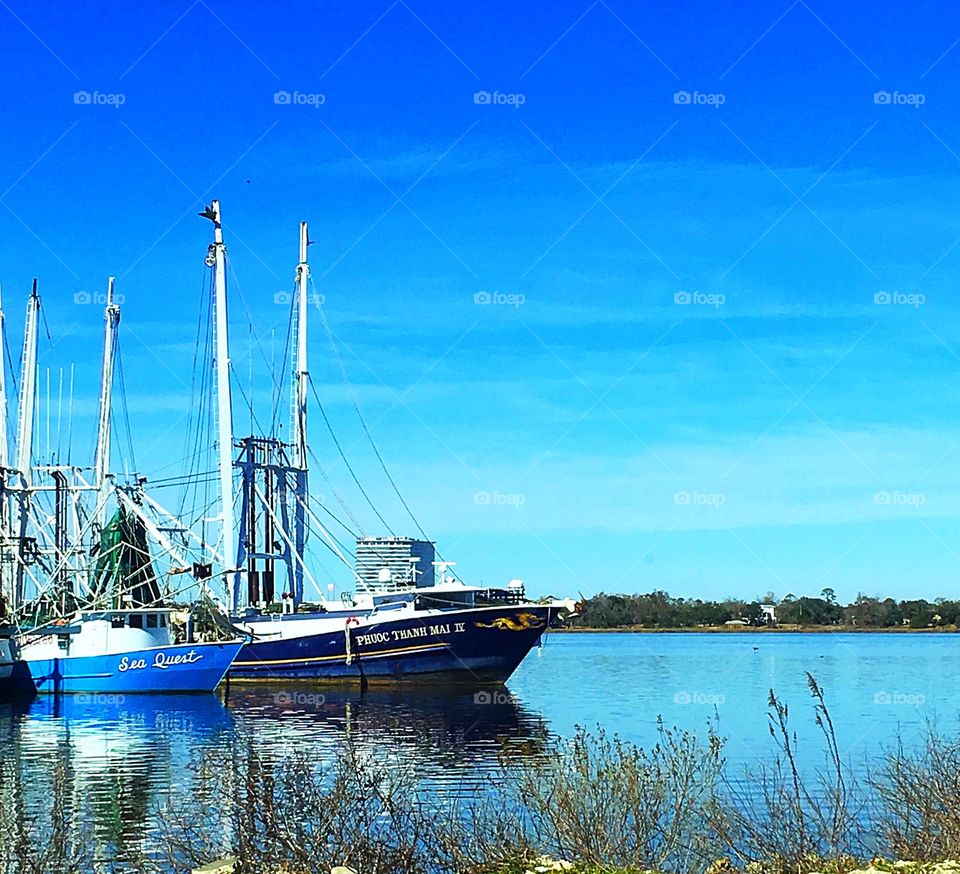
{"points": [[660, 610], [594, 804]]}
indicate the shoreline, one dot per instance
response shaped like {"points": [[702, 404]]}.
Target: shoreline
{"points": [[749, 629]]}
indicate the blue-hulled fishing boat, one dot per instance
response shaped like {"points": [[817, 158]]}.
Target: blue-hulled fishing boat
{"points": [[393, 627], [465, 645], [118, 652], [82, 607]]}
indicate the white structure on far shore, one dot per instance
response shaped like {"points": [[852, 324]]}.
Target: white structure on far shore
{"points": [[384, 564]]}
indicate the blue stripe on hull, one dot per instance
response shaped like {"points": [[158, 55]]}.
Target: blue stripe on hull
{"points": [[469, 647], [169, 669]]}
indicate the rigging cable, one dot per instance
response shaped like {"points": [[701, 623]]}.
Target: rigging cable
{"points": [[363, 423], [247, 400], [278, 393], [11, 431], [335, 518], [192, 449], [366, 430], [336, 494], [124, 407], [323, 413]]}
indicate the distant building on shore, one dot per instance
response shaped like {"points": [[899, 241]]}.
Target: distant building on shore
{"points": [[387, 563], [768, 615]]}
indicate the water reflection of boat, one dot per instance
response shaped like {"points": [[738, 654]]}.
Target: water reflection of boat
{"points": [[97, 764], [14, 674], [446, 727]]}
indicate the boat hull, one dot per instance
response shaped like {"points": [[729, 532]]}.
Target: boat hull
{"points": [[166, 669], [14, 676], [462, 647]]}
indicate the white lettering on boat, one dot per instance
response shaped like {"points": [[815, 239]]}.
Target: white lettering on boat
{"points": [[160, 660], [127, 664], [375, 637]]}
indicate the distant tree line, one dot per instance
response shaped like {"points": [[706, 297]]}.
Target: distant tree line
{"points": [[659, 610]]}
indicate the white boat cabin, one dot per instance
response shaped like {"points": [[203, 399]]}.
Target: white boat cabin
{"points": [[101, 632]]}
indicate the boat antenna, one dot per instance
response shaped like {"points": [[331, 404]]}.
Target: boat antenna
{"points": [[216, 258]]}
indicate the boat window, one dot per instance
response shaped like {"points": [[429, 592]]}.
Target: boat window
{"points": [[136, 620], [152, 620], [116, 622], [163, 620]]}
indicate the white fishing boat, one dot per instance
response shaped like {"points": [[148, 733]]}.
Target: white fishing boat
{"points": [[401, 626], [79, 624]]}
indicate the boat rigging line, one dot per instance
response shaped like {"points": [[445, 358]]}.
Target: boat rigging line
{"points": [[356, 407], [336, 442]]}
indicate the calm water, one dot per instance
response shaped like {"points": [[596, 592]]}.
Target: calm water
{"points": [[114, 765]]}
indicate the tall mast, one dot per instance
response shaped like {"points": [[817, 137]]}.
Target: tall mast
{"points": [[102, 460], [28, 389], [224, 408], [300, 410], [300, 429], [4, 449], [4, 459], [25, 422]]}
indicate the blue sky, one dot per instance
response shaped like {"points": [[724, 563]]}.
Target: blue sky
{"points": [[723, 350]]}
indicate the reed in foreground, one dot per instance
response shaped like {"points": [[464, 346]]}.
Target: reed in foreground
{"points": [[594, 804]]}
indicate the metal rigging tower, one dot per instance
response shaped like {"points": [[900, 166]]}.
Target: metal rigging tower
{"points": [[274, 485]]}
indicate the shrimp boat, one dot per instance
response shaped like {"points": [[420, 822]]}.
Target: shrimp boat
{"points": [[419, 625], [448, 634], [119, 652], [75, 626]]}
